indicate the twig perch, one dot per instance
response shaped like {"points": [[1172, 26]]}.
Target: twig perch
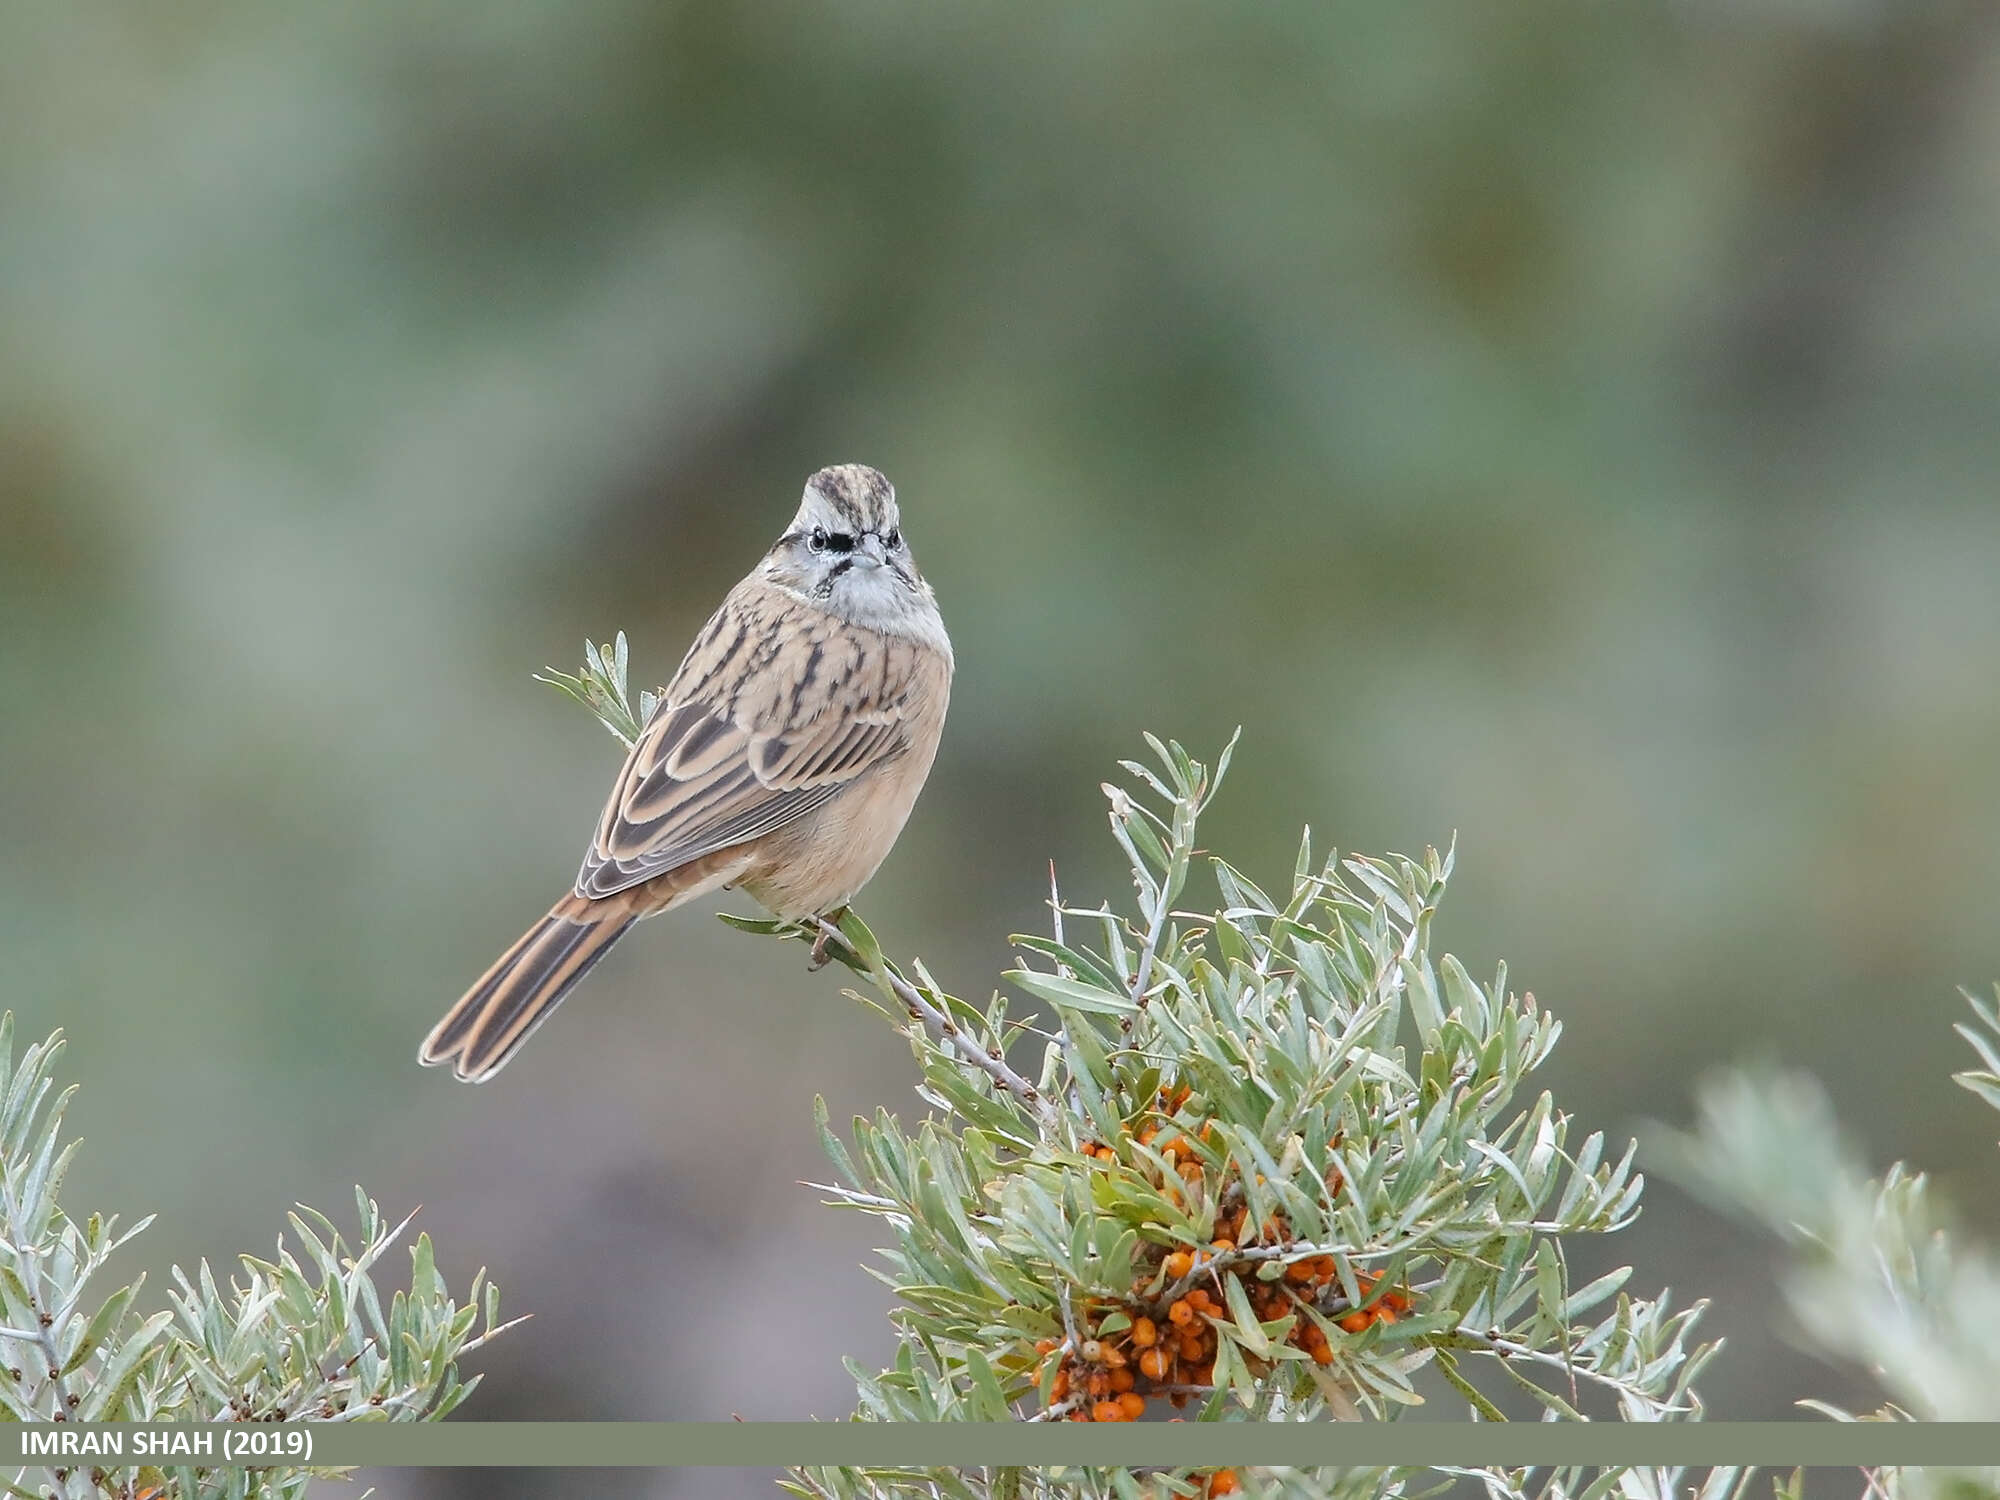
{"points": [[939, 1023]]}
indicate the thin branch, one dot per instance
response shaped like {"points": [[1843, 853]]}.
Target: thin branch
{"points": [[1060, 1410], [1151, 951], [989, 1060], [1209, 1264], [1508, 1349], [493, 1333], [1072, 1340], [45, 1331]]}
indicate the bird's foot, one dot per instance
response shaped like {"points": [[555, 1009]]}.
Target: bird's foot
{"points": [[820, 957]]}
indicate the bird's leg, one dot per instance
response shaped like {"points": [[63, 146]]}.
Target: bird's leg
{"points": [[820, 957]]}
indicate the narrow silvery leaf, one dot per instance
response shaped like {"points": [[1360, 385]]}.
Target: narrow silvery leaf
{"points": [[1070, 994]]}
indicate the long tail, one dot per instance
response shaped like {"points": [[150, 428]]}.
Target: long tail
{"points": [[491, 1020]]}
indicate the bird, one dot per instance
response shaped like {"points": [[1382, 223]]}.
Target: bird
{"points": [[782, 759]]}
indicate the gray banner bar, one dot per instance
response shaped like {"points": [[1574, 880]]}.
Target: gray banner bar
{"points": [[650, 1445]]}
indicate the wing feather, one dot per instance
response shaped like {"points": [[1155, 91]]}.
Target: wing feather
{"points": [[777, 709]]}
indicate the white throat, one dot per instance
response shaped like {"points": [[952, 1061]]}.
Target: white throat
{"points": [[876, 599]]}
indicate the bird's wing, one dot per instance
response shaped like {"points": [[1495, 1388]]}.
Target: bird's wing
{"points": [[777, 708]]}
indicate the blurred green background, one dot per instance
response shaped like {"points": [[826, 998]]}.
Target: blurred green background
{"points": [[1572, 427]]}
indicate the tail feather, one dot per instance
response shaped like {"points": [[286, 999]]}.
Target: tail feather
{"points": [[491, 1020]]}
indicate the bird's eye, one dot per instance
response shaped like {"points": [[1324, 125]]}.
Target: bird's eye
{"points": [[895, 539], [817, 541]]}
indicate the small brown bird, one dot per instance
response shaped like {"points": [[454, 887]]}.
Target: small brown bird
{"points": [[784, 757]]}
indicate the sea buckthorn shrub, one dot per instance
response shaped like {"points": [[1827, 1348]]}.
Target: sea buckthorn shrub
{"points": [[305, 1336], [1279, 1161], [1276, 1164]]}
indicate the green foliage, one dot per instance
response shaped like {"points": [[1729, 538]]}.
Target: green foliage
{"points": [[1880, 1274], [1278, 1084], [601, 688], [1285, 1105], [1288, 1109], [302, 1336]]}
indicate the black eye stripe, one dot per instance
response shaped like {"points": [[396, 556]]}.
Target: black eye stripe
{"points": [[822, 540], [841, 543]]}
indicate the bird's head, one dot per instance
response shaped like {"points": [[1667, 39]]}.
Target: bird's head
{"points": [[845, 552]]}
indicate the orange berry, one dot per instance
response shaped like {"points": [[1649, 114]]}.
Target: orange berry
{"points": [[1105, 1153], [1222, 1482], [1199, 1300], [1178, 1265], [1047, 1346], [1181, 1314], [1220, 1246], [1355, 1322], [1060, 1389], [1107, 1411], [1133, 1405], [1385, 1314], [1324, 1268], [1299, 1272], [1155, 1363], [1145, 1332], [1121, 1382], [1192, 1350], [1321, 1352], [1189, 1169]]}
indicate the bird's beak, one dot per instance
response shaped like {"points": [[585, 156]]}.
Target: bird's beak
{"points": [[874, 549]]}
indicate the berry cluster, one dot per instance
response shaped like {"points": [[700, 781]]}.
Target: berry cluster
{"points": [[1161, 1340]]}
